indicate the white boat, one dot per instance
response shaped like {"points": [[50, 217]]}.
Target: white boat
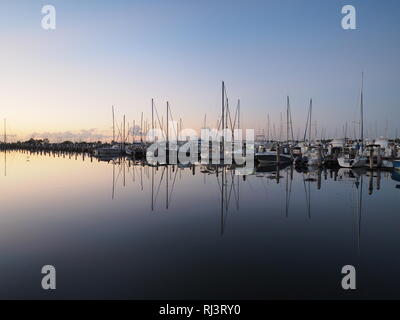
{"points": [[312, 156], [385, 149], [336, 146], [356, 162]]}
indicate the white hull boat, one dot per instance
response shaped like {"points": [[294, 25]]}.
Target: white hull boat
{"points": [[357, 162]]}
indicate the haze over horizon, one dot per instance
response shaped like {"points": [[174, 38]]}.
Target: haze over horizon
{"points": [[62, 83]]}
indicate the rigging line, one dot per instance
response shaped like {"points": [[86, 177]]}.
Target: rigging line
{"points": [[133, 171], [230, 120], [119, 173], [158, 119], [238, 193], [305, 132], [228, 200], [173, 123], [173, 185], [309, 199], [359, 214], [234, 189], [250, 186], [291, 122], [228, 111], [305, 190], [226, 94], [219, 185], [159, 185], [236, 114], [286, 195], [119, 130], [141, 179], [219, 123], [225, 212], [289, 192], [226, 215]]}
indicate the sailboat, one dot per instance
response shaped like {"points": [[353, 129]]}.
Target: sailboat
{"points": [[113, 150], [357, 161], [309, 153], [270, 154]]}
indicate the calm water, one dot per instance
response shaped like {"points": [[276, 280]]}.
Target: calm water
{"points": [[119, 230]]}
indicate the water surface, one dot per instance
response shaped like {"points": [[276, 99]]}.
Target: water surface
{"points": [[123, 230]]}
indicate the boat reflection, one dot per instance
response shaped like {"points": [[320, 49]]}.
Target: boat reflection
{"points": [[159, 182], [228, 179]]}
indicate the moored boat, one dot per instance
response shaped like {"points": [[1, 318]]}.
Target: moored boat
{"points": [[271, 157], [396, 164], [356, 162], [114, 150]]}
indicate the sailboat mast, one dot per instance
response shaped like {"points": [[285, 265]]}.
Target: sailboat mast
{"points": [[152, 117], [167, 123], [223, 106], [287, 119], [309, 133], [133, 132], [113, 123], [223, 115], [238, 111], [5, 131], [227, 112], [362, 112], [141, 127], [180, 127], [124, 139]]}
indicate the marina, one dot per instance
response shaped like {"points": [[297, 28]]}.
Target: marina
{"points": [[199, 158], [378, 153]]}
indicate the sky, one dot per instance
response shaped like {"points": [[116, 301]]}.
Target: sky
{"points": [[62, 83]]}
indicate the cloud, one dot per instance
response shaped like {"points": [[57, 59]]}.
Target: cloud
{"points": [[76, 136], [88, 135]]}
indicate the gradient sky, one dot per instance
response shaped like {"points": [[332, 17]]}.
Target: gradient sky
{"points": [[124, 53]]}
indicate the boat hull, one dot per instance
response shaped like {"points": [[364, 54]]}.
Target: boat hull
{"points": [[352, 163], [271, 159], [105, 153], [396, 164]]}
